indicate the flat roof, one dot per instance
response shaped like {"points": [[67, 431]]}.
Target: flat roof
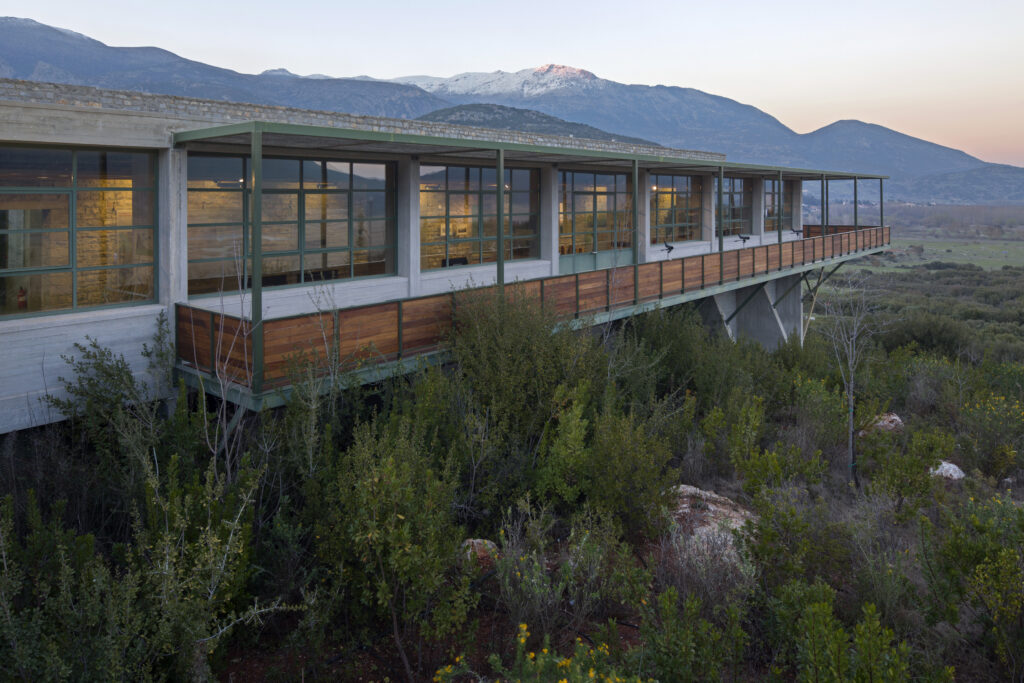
{"points": [[309, 138]]}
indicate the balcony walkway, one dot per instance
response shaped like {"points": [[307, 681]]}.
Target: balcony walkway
{"points": [[215, 350]]}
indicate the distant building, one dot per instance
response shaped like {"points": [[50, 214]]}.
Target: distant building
{"points": [[117, 206]]}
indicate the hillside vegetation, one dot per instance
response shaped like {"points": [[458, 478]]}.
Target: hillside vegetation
{"points": [[325, 540]]}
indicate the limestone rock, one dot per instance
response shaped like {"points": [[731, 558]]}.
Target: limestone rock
{"points": [[947, 470]]}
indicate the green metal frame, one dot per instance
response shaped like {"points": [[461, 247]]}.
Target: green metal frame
{"points": [[72, 190], [328, 132], [675, 228]]}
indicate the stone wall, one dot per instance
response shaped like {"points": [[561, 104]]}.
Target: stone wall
{"points": [[211, 111]]}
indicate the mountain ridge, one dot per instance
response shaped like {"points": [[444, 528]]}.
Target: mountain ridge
{"points": [[674, 116]]}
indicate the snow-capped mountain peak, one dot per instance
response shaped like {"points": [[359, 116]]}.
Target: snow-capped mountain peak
{"points": [[527, 82]]}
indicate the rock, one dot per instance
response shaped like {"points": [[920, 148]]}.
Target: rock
{"points": [[947, 470], [485, 552], [886, 422], [701, 512]]}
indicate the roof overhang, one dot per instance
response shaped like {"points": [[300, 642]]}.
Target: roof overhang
{"points": [[300, 138]]}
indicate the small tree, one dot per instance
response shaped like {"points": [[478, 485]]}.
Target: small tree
{"points": [[849, 329]]}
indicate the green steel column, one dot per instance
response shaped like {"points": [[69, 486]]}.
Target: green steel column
{"points": [[501, 218], [720, 209], [854, 202], [256, 218], [779, 210], [881, 203], [636, 231], [823, 221], [721, 228]]}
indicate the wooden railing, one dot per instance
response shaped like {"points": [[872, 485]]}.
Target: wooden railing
{"points": [[220, 344]]}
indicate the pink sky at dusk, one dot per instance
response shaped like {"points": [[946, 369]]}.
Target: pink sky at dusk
{"points": [[949, 72]]}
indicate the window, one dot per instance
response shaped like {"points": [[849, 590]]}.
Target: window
{"points": [[459, 215], [737, 198], [773, 203], [321, 220], [595, 212], [76, 229], [675, 208]]}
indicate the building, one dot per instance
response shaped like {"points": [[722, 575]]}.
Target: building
{"points": [[116, 207]]}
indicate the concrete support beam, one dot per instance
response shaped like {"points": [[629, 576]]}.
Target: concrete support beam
{"points": [[549, 189], [407, 214], [172, 233], [708, 201], [643, 232], [757, 208]]}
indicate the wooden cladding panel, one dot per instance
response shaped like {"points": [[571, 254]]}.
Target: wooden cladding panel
{"points": [[425, 322], [787, 255], [523, 290], [672, 277], [774, 256], [621, 286], [307, 338], [746, 262], [650, 281], [193, 336], [731, 266], [593, 290], [761, 259], [560, 295], [232, 348], [807, 251], [368, 333], [712, 269], [693, 273]]}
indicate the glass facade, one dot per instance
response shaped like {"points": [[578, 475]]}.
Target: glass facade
{"points": [[675, 208], [459, 215], [595, 212], [737, 201], [778, 209], [77, 229], [321, 220]]}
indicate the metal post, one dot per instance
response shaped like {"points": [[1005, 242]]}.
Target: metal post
{"points": [[721, 228], [855, 203], [881, 205], [823, 221], [256, 217], [635, 241], [782, 202], [721, 208], [501, 218]]}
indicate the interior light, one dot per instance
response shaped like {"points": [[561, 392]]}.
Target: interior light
{"points": [[654, 188]]}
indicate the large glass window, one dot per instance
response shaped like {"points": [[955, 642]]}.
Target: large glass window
{"points": [[778, 205], [321, 220], [76, 229], [595, 212], [675, 208], [737, 198], [459, 215]]}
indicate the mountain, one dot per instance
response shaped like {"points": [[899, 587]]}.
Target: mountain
{"points": [[34, 51], [691, 119], [578, 100], [527, 120], [677, 117]]}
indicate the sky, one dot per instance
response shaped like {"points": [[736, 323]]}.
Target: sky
{"points": [[948, 72]]}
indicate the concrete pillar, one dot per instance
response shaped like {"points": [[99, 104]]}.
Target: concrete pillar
{"points": [[789, 308], [708, 203], [407, 214], [796, 220], [643, 231], [172, 222], [549, 189], [757, 207]]}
